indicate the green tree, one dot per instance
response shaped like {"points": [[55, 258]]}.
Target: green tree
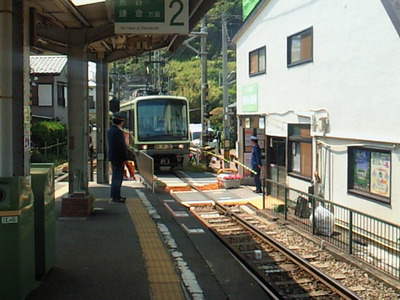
{"points": [[48, 133], [183, 67]]}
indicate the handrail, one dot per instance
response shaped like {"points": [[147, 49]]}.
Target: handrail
{"points": [[366, 237], [328, 201]]}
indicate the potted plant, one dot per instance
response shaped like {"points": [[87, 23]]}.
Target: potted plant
{"points": [[229, 180]]}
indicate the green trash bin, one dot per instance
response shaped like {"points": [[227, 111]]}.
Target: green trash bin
{"points": [[17, 241], [45, 217]]}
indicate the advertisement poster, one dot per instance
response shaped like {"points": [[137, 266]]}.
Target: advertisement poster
{"points": [[247, 162], [247, 144], [361, 170], [380, 173]]}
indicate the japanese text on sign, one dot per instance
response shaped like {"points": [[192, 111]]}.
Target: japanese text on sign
{"points": [[149, 17]]}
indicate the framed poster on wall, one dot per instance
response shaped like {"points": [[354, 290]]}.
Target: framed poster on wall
{"points": [[247, 163], [248, 132]]}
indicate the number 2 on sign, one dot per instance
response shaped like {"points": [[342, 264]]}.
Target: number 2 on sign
{"points": [[177, 13]]}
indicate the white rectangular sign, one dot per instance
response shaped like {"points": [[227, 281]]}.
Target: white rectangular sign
{"points": [[9, 220], [152, 17]]}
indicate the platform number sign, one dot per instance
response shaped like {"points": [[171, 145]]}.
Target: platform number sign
{"points": [[152, 17]]}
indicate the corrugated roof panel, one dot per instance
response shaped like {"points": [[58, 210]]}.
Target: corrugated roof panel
{"points": [[47, 64]]}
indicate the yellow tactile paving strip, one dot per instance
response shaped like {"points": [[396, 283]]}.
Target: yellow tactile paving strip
{"points": [[271, 202], [163, 280]]}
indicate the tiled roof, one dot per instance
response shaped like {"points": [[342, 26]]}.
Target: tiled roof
{"points": [[47, 64]]}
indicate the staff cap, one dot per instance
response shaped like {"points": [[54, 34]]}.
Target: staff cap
{"points": [[119, 117], [254, 138]]}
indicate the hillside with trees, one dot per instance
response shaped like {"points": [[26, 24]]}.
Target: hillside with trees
{"points": [[181, 72]]}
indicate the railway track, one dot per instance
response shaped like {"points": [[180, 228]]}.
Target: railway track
{"points": [[283, 261], [277, 267], [281, 271]]}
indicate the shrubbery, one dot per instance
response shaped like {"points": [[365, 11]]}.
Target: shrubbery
{"points": [[48, 133], [49, 142]]}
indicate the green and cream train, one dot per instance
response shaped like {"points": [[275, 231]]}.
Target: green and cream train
{"points": [[159, 126]]}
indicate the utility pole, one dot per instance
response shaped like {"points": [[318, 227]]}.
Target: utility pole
{"points": [[225, 101], [204, 84]]}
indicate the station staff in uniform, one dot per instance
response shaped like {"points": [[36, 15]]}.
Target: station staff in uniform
{"points": [[256, 162], [117, 155]]}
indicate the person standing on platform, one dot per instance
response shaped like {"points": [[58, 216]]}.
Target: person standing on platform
{"points": [[117, 155], [256, 162]]}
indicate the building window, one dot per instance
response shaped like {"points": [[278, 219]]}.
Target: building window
{"points": [[92, 104], [300, 151], [45, 95], [369, 173], [300, 48], [257, 62], [61, 94]]}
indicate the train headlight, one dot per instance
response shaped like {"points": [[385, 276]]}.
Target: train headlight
{"points": [[181, 146], [144, 147]]}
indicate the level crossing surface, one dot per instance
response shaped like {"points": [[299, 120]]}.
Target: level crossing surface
{"points": [[150, 247]]}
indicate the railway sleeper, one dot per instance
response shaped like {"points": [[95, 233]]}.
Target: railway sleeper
{"points": [[292, 281], [231, 229], [219, 219], [221, 224], [272, 271]]}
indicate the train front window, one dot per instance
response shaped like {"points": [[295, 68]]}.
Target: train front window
{"points": [[162, 120]]}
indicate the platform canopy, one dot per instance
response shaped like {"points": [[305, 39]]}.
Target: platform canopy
{"points": [[53, 22]]}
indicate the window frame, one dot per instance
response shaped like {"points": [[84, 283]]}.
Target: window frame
{"points": [[47, 89], [257, 53], [363, 193], [91, 102], [304, 172], [61, 97], [300, 61]]}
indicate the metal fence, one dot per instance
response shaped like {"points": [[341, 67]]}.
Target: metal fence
{"points": [[56, 148], [372, 240]]}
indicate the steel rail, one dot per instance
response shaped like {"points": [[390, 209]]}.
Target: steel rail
{"points": [[269, 288], [304, 264], [333, 284]]}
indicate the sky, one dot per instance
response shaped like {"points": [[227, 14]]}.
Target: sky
{"points": [[83, 2]]}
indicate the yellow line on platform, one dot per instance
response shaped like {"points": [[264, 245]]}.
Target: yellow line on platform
{"points": [[163, 279]]}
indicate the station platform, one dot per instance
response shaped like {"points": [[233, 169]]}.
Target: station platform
{"points": [[150, 247]]}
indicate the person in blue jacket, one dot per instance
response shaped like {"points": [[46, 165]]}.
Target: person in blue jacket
{"points": [[256, 162], [117, 155]]}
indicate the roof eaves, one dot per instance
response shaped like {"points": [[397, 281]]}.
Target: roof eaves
{"points": [[47, 64]]}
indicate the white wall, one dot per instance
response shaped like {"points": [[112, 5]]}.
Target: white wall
{"points": [[354, 78], [355, 73]]}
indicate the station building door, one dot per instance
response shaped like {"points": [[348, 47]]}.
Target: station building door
{"points": [[276, 164]]}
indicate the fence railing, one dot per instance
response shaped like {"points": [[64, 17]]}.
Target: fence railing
{"points": [[370, 239], [45, 149]]}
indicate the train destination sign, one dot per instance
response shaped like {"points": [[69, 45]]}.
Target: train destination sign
{"points": [[152, 17]]}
